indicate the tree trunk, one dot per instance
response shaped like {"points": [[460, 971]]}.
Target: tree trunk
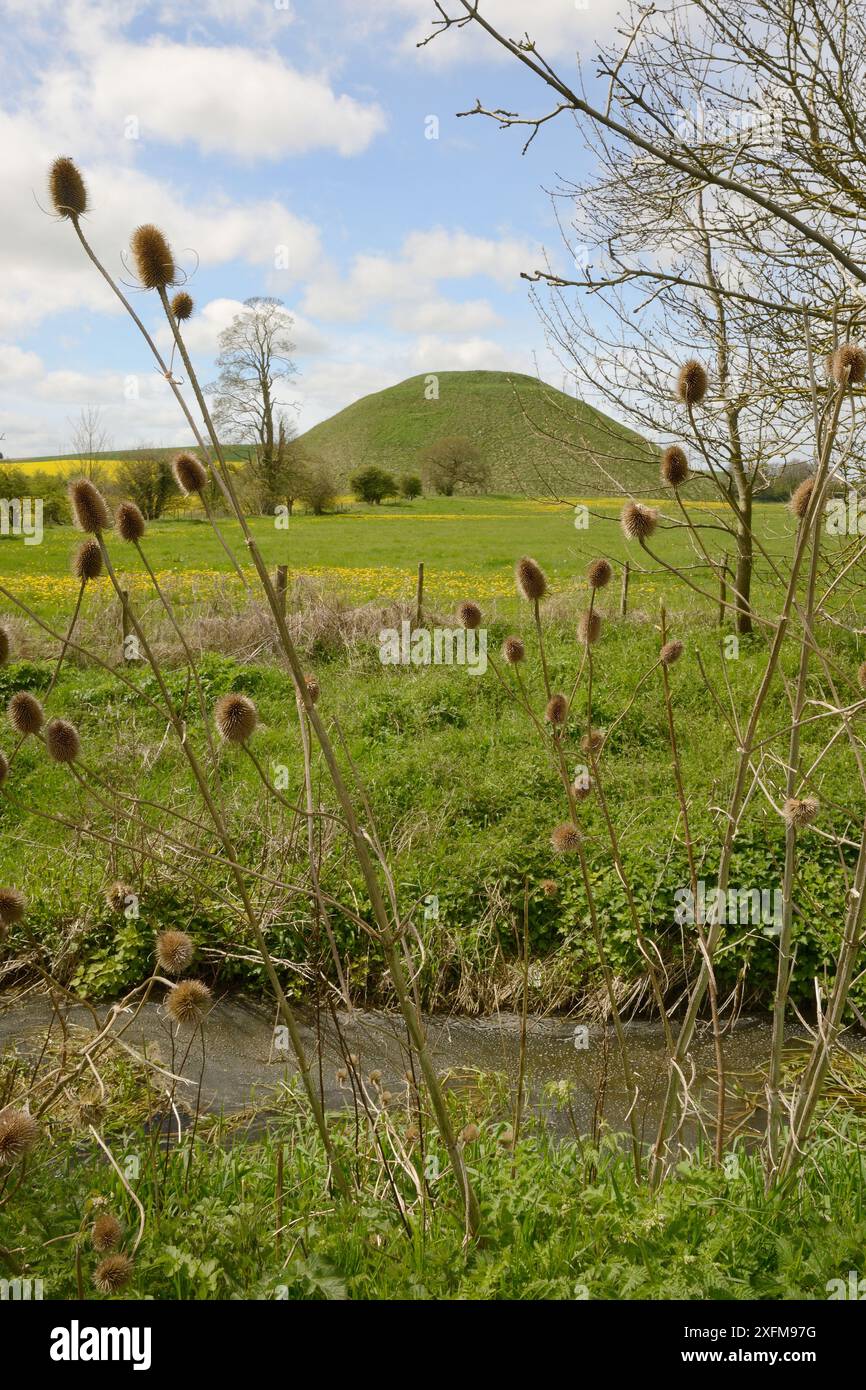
{"points": [[745, 555]]}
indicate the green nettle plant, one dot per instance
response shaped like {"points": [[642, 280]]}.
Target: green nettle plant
{"points": [[235, 717]]}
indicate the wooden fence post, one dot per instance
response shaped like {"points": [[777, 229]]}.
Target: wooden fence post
{"points": [[282, 585], [419, 597]]}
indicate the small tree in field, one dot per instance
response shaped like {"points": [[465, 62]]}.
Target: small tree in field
{"points": [[373, 485], [410, 486], [147, 480], [318, 487], [455, 463]]}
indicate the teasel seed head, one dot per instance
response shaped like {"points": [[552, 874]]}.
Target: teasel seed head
{"points": [[861, 676], [113, 1273], [692, 382], [581, 788], [589, 628], [117, 896], [87, 561], [62, 741], [469, 614], [19, 1133], [130, 523], [531, 582], [26, 714], [469, 1133], [66, 186], [4, 768], [802, 496], [154, 263], [599, 574], [13, 905], [314, 690], [236, 717], [670, 652], [565, 838], [189, 1001], [513, 651], [190, 474], [549, 887], [637, 521], [800, 812], [89, 507], [174, 951], [675, 465], [557, 709], [593, 742], [5, 645], [182, 306], [106, 1233], [848, 365]]}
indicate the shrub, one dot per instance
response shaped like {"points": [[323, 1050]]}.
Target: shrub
{"points": [[373, 485], [410, 486]]}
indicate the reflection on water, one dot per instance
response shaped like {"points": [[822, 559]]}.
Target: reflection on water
{"points": [[569, 1066]]}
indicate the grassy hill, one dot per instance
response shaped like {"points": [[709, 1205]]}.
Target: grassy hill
{"points": [[530, 434]]}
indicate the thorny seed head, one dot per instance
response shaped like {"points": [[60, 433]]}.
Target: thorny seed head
{"points": [[182, 306], [469, 1133], [637, 521], [589, 628], [599, 573], [18, 1135], [87, 561], [12, 906], [62, 741], [581, 788], [106, 1232], [469, 614], [557, 709], [236, 717], [593, 742], [89, 507], [549, 887], [174, 951], [692, 382], [313, 688], [670, 652], [117, 896], [154, 262], [674, 466], [113, 1273], [66, 186], [189, 1001], [25, 713], [801, 497], [800, 813], [130, 523], [847, 365], [565, 838], [531, 582], [5, 645], [513, 650], [190, 474]]}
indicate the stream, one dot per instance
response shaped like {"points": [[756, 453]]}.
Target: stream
{"points": [[247, 1057]]}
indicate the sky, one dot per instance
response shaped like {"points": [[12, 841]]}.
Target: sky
{"points": [[305, 149]]}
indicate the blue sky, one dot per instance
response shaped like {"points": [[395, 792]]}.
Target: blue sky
{"points": [[257, 134]]}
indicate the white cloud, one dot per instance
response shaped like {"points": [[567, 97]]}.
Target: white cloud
{"points": [[425, 259], [560, 28], [445, 316], [223, 99]]}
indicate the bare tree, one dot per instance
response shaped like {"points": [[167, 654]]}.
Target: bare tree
{"points": [[255, 357], [90, 440]]}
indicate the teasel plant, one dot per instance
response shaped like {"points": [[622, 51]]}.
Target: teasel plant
{"points": [[156, 271]]}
